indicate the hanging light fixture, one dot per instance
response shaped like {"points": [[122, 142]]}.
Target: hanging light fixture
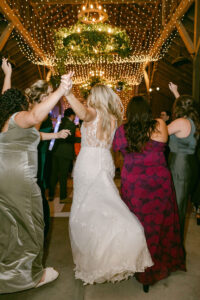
{"points": [[92, 12]]}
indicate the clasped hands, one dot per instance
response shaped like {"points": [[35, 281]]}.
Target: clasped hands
{"points": [[66, 83]]}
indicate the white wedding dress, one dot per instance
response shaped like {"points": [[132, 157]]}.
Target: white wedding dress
{"points": [[108, 242]]}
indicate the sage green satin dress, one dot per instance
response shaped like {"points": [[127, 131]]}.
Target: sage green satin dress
{"points": [[21, 212], [183, 164]]}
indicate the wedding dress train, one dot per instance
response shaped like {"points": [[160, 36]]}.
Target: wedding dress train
{"points": [[108, 242]]}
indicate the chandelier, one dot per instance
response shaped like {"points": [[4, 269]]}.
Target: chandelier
{"points": [[92, 13]]}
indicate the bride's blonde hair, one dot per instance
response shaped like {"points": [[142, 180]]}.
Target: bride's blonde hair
{"points": [[108, 103]]}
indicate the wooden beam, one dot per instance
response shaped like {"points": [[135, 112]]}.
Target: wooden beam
{"points": [[5, 35], [185, 37], [180, 11], [78, 2], [196, 61], [146, 79], [163, 12], [7, 11], [196, 77], [198, 46], [196, 22]]}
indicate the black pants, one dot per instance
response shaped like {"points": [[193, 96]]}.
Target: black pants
{"points": [[61, 167]]}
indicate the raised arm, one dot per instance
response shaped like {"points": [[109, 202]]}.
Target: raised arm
{"points": [[84, 113], [174, 89], [7, 69], [37, 114]]}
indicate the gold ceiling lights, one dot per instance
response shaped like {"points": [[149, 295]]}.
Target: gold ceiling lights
{"points": [[92, 12], [143, 22]]}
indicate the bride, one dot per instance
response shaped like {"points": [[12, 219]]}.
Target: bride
{"points": [[108, 242]]}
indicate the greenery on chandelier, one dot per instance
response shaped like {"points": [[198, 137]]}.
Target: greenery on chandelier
{"points": [[95, 80], [90, 42], [92, 81]]}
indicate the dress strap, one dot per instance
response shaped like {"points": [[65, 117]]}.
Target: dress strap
{"points": [[193, 128], [12, 118]]}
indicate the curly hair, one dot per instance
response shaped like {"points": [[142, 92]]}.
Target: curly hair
{"points": [[37, 90], [186, 106], [11, 102], [140, 124]]}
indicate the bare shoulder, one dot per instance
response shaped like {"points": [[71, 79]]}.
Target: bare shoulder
{"points": [[180, 122], [160, 134], [180, 127], [161, 123], [24, 119]]}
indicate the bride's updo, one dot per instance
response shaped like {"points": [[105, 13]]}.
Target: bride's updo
{"points": [[37, 91], [108, 103]]}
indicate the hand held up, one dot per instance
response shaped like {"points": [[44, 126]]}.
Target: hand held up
{"points": [[6, 67], [174, 89], [66, 83]]}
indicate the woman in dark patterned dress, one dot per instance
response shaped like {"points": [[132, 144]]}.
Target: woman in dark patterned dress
{"points": [[147, 189]]}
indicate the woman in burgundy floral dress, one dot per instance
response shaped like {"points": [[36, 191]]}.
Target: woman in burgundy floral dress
{"points": [[147, 189]]}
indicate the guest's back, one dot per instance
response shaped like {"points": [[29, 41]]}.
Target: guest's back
{"points": [[147, 188]]}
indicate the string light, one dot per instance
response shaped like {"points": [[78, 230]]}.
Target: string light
{"points": [[143, 22], [92, 13]]}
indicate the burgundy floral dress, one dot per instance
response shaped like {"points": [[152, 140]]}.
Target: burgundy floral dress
{"points": [[147, 189]]}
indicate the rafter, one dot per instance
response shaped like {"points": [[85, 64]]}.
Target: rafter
{"points": [[196, 61], [185, 37], [78, 2], [5, 35], [9, 14], [196, 22], [180, 11]]}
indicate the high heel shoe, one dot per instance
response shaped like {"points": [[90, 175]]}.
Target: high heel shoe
{"points": [[146, 288]]}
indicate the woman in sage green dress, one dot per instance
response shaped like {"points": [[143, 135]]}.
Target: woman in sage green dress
{"points": [[21, 217], [184, 133]]}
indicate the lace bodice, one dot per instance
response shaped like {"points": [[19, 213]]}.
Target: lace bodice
{"points": [[90, 132]]}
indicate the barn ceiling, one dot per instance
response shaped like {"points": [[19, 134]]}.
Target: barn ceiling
{"points": [[163, 54]]}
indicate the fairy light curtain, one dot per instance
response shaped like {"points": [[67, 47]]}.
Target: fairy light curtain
{"points": [[143, 21]]}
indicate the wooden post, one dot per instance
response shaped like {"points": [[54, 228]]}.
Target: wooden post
{"points": [[136, 90], [196, 61], [146, 79], [196, 77]]}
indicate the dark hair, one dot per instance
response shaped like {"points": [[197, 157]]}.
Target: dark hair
{"points": [[68, 112], [140, 124], [186, 106], [11, 102], [168, 113]]}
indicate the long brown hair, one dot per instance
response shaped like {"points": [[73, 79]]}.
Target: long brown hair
{"points": [[140, 124]]}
